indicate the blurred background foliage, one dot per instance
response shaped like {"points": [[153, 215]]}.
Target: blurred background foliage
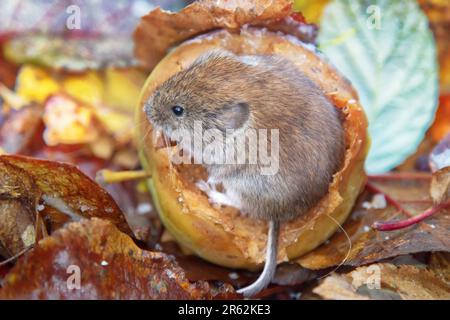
{"points": [[93, 73]]}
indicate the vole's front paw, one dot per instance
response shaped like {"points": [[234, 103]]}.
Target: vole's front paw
{"points": [[214, 196], [204, 186]]}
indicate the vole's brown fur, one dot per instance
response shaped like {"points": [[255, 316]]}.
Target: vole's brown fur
{"points": [[225, 91]]}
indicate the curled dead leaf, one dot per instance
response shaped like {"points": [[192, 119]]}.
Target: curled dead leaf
{"points": [[67, 193], [440, 185], [109, 264], [19, 196], [440, 165], [160, 30]]}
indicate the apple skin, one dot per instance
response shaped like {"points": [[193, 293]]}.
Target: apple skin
{"points": [[223, 236]]}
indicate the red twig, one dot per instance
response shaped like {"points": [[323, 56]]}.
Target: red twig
{"points": [[388, 198], [395, 225], [423, 201], [401, 176]]}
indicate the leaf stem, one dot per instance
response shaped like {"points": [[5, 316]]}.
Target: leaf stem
{"points": [[396, 225], [401, 176], [16, 256], [423, 201], [389, 199]]}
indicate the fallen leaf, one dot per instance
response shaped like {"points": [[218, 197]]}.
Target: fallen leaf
{"points": [[311, 9], [440, 265], [19, 196], [87, 87], [294, 25], [110, 266], [338, 287], [67, 193], [440, 185], [79, 107], [410, 282], [122, 88], [291, 274], [197, 269], [386, 281], [68, 122], [160, 30], [361, 244], [36, 84]]}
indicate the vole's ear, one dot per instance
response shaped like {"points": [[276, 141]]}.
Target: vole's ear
{"points": [[234, 116]]}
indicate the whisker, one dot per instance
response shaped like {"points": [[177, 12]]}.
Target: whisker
{"points": [[349, 247]]}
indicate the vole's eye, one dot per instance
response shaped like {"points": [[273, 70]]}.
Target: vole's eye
{"points": [[178, 111]]}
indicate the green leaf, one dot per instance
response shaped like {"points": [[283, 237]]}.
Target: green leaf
{"points": [[392, 63]]}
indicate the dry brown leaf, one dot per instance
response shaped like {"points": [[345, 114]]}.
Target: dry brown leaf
{"points": [[160, 30], [440, 185], [386, 281], [68, 194], [361, 244], [338, 287], [68, 122], [440, 265], [291, 274], [111, 267], [19, 196], [410, 282]]}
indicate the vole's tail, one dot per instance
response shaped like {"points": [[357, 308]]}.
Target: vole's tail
{"points": [[270, 265]]}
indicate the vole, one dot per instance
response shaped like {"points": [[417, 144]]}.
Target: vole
{"points": [[226, 91]]}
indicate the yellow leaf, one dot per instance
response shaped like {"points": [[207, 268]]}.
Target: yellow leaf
{"points": [[311, 9], [35, 84], [114, 121], [86, 87], [122, 88]]}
